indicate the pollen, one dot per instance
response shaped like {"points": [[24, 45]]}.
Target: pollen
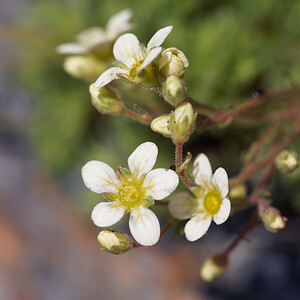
{"points": [[131, 194], [212, 202]]}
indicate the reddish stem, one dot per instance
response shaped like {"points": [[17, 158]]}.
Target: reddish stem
{"points": [[243, 233], [144, 119], [204, 106], [167, 227], [178, 162], [245, 174]]}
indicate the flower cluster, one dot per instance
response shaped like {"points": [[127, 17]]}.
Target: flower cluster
{"points": [[136, 189], [91, 52], [208, 201], [131, 191], [136, 64]]}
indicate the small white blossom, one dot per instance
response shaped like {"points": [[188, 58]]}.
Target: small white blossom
{"points": [[209, 202], [131, 191], [91, 38], [132, 57]]}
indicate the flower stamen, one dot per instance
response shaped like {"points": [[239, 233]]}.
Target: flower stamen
{"points": [[212, 202], [131, 194]]}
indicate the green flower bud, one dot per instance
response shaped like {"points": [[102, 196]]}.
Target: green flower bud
{"points": [[161, 125], [84, 67], [174, 90], [198, 191], [287, 161], [172, 62], [213, 267], [182, 122], [114, 242], [105, 100], [272, 219]]}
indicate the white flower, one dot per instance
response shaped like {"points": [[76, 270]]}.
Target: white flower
{"points": [[132, 57], [209, 202], [131, 191], [92, 37]]}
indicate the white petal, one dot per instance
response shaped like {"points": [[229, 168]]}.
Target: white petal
{"points": [[165, 58], [92, 36], [160, 183], [99, 177], [118, 23], [108, 76], [159, 37], [220, 180], [202, 172], [223, 213], [144, 226], [127, 49], [196, 227], [107, 213], [143, 158], [71, 48], [183, 205], [150, 57]]}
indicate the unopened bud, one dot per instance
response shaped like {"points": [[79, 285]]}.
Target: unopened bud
{"points": [[213, 267], [161, 125], [114, 242], [174, 90], [272, 219], [85, 67], [238, 192], [182, 122], [105, 100], [172, 62], [287, 161]]}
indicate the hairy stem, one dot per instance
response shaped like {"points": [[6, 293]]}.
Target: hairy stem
{"points": [[178, 163], [144, 119]]}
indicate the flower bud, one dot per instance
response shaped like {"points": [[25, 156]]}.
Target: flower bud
{"points": [[238, 192], [172, 62], [174, 90], [114, 242], [161, 125], [182, 122], [287, 161], [213, 267], [85, 67], [272, 219], [105, 100]]}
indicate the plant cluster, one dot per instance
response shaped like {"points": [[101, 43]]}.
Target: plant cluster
{"points": [[208, 196]]}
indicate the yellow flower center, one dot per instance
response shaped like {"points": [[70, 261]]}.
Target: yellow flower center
{"points": [[212, 202], [131, 194], [134, 71]]}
